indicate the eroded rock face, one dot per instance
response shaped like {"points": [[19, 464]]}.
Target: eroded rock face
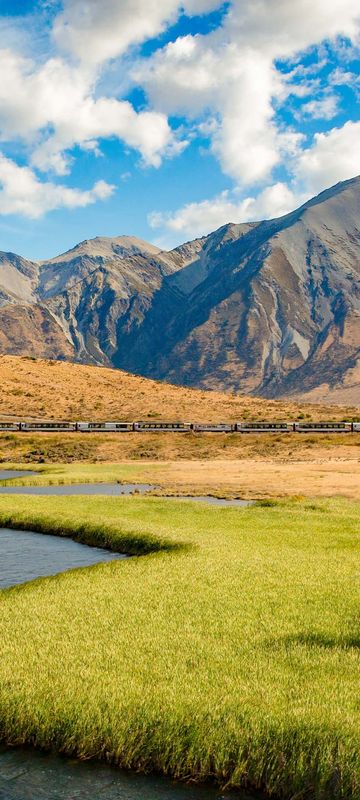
{"points": [[268, 308]]}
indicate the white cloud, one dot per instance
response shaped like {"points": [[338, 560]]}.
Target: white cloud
{"points": [[146, 131], [59, 97], [225, 83], [228, 80], [323, 108], [97, 31], [333, 157], [232, 88], [281, 28], [198, 219], [341, 77], [21, 192]]}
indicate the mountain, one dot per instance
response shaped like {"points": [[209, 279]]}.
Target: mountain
{"points": [[269, 308]]}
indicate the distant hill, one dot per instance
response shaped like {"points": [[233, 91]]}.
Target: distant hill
{"points": [[269, 308], [40, 388]]}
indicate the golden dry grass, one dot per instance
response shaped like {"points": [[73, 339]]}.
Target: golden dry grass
{"points": [[54, 389], [232, 466]]}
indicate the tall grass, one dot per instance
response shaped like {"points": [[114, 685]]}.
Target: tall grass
{"points": [[234, 657]]}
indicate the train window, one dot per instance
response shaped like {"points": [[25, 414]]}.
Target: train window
{"points": [[264, 425]]}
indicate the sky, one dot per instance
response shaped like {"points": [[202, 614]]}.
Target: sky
{"points": [[165, 120]]}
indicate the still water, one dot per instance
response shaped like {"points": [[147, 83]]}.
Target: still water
{"points": [[109, 489], [29, 775], [25, 555], [7, 474]]}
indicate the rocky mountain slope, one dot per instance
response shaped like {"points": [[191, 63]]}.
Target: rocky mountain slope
{"points": [[269, 308]]}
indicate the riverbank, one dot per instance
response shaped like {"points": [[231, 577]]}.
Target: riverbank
{"points": [[229, 652], [319, 473]]}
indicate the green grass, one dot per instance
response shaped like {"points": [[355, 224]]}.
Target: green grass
{"points": [[234, 656], [58, 474]]}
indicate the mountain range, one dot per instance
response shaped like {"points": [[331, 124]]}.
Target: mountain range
{"points": [[267, 308]]}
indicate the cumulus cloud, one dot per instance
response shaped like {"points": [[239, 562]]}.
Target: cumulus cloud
{"points": [[281, 29], [225, 85], [29, 106], [229, 76], [21, 192], [198, 219], [146, 131], [333, 157], [97, 31], [230, 80]]}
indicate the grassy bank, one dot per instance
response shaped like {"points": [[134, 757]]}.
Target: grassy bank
{"points": [[235, 658], [323, 474]]}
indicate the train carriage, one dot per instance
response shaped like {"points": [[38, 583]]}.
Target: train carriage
{"points": [[105, 427], [356, 427], [213, 427], [156, 427], [9, 426], [48, 426], [323, 427], [264, 427]]}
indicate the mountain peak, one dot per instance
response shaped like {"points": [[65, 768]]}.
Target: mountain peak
{"points": [[105, 247], [269, 308]]}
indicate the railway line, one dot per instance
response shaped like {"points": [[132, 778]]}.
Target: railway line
{"points": [[50, 426]]}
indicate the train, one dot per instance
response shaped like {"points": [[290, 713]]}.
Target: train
{"points": [[148, 426]]}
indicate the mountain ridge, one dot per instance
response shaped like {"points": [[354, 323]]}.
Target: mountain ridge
{"points": [[269, 308]]}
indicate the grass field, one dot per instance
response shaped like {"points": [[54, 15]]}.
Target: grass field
{"points": [[274, 467], [234, 656]]}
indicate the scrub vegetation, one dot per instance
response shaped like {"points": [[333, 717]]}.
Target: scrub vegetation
{"points": [[229, 652], [45, 389], [49, 448]]}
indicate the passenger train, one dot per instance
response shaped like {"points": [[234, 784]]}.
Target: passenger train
{"points": [[48, 426]]}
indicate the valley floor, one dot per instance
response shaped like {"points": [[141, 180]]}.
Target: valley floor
{"points": [[224, 465]]}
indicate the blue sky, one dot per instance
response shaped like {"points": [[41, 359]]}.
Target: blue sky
{"points": [[166, 119]]}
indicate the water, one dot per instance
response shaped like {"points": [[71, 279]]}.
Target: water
{"points": [[29, 775], [7, 474], [26, 555], [109, 489]]}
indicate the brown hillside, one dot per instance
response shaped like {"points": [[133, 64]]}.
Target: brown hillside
{"points": [[40, 388]]}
